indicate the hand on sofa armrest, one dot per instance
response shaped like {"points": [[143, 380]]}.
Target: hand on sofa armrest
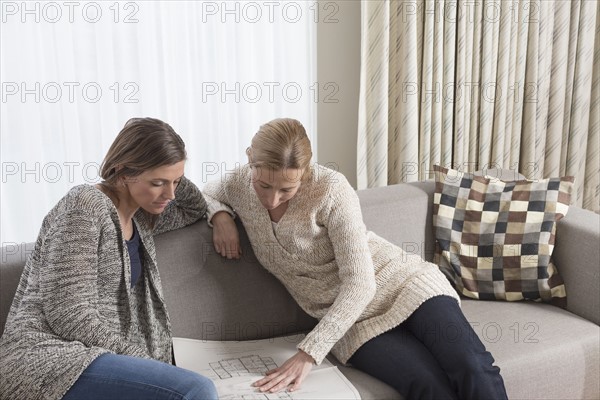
{"points": [[577, 257], [226, 237]]}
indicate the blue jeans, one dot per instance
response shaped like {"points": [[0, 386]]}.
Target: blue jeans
{"points": [[114, 376], [434, 354]]}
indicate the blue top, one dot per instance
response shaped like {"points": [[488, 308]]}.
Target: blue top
{"points": [[133, 247]]}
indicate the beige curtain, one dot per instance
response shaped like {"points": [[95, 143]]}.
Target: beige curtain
{"points": [[476, 85]]}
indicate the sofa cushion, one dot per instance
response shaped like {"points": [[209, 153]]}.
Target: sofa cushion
{"points": [[539, 348], [211, 298], [524, 339], [401, 214], [494, 239]]}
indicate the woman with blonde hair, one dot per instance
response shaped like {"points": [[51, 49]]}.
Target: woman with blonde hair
{"points": [[89, 320], [380, 309]]}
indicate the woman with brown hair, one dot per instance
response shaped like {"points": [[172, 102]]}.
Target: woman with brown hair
{"points": [[89, 320], [382, 310]]}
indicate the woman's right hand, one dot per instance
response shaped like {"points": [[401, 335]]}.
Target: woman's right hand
{"points": [[226, 237]]}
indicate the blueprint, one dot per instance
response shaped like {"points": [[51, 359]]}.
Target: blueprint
{"points": [[234, 366]]}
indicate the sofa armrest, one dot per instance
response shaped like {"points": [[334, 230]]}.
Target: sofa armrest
{"points": [[12, 261], [577, 257]]}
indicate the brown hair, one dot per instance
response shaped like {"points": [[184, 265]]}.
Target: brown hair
{"points": [[281, 144], [142, 144]]}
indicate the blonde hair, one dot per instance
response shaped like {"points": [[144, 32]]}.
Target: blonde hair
{"points": [[281, 144]]}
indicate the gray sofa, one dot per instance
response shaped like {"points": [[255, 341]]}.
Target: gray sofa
{"points": [[544, 352]]}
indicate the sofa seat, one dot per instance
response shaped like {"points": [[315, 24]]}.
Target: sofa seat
{"points": [[525, 339], [539, 348]]}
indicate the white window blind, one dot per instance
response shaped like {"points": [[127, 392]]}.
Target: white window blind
{"points": [[72, 73]]}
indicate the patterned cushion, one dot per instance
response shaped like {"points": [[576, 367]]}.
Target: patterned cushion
{"points": [[494, 239]]}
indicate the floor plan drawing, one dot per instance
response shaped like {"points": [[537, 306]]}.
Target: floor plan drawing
{"points": [[243, 366], [267, 396], [235, 366]]}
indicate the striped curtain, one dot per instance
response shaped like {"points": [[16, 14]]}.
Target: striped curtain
{"points": [[476, 85]]}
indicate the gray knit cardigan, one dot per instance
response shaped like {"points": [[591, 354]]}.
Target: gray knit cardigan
{"points": [[74, 301]]}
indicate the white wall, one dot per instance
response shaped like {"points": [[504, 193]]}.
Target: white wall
{"points": [[338, 64]]}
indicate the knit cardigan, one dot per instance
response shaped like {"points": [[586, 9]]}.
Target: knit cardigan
{"points": [[357, 284], [74, 300]]}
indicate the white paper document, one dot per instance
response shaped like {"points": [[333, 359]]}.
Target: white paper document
{"points": [[234, 366]]}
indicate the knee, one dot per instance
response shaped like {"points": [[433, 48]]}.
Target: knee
{"points": [[476, 363], [476, 377], [200, 388]]}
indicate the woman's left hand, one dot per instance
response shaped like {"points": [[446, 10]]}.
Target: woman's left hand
{"points": [[292, 372]]}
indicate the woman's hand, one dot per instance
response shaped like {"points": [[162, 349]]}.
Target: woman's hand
{"points": [[226, 237], [292, 372]]}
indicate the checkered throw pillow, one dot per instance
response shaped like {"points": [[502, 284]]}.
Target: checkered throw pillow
{"points": [[494, 239]]}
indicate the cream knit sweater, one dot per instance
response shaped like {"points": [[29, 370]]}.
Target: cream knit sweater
{"points": [[354, 282]]}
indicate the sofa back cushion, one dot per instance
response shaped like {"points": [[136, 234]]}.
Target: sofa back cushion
{"points": [[212, 298], [402, 214]]}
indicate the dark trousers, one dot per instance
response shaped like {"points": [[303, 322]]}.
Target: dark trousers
{"points": [[434, 354]]}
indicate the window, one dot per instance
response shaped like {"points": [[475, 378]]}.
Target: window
{"points": [[72, 73]]}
